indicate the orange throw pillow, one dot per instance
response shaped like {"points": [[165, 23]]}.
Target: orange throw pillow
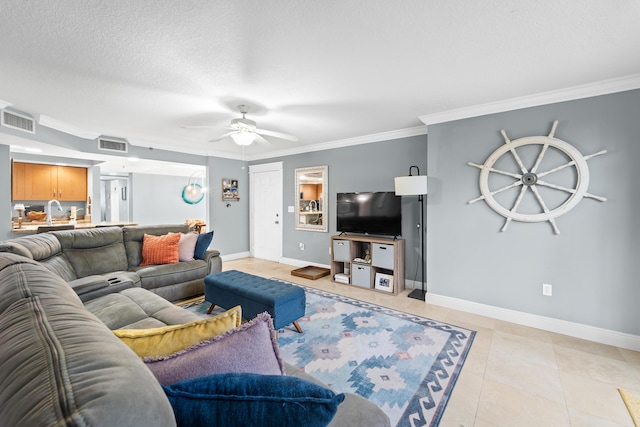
{"points": [[160, 249]]}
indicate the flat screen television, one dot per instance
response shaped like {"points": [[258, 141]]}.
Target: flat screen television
{"points": [[369, 213]]}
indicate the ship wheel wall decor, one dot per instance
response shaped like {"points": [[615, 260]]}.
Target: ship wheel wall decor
{"points": [[535, 177]]}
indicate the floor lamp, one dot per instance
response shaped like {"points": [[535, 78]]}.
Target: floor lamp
{"points": [[415, 185]]}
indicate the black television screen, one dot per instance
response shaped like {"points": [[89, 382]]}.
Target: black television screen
{"points": [[369, 213]]}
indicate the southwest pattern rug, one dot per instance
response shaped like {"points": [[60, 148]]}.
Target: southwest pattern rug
{"points": [[405, 364]]}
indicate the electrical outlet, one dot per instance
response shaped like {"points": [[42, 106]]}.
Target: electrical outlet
{"points": [[301, 245], [547, 289]]}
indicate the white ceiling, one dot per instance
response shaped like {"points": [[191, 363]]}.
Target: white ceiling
{"points": [[324, 71]]}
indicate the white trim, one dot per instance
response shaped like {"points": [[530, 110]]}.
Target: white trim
{"points": [[239, 255], [366, 139], [301, 263], [603, 87], [578, 330], [4, 104], [64, 127], [266, 167]]}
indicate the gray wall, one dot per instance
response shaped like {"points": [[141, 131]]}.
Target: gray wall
{"points": [[592, 264], [230, 224], [157, 199], [369, 167]]}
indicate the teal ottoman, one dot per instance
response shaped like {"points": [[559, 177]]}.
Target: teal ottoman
{"points": [[283, 301]]}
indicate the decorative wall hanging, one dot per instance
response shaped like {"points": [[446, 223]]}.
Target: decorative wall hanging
{"points": [[192, 193], [553, 158], [230, 189]]}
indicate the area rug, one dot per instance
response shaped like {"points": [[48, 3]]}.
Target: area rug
{"points": [[405, 364], [632, 401]]}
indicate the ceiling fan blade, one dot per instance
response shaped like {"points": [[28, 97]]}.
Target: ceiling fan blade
{"points": [[220, 138], [277, 134], [260, 140]]}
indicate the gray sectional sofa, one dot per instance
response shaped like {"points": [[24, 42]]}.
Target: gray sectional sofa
{"points": [[101, 261], [60, 363]]}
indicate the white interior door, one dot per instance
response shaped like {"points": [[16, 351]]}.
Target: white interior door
{"points": [[266, 211]]}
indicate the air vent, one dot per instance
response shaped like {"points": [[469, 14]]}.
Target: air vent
{"points": [[18, 121], [113, 145]]}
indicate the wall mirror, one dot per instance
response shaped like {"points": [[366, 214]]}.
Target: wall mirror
{"points": [[312, 198]]}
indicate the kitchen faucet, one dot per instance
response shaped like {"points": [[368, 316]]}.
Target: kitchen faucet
{"points": [[49, 220]]}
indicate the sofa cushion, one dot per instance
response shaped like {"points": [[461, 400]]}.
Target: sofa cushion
{"points": [[15, 248], [93, 251], [61, 365], [203, 243], [252, 347], [166, 340], [44, 248], [137, 308], [187, 246], [157, 276], [252, 400], [160, 249], [134, 235], [41, 246]]}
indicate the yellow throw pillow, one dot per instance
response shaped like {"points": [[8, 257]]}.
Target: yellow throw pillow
{"points": [[156, 342]]}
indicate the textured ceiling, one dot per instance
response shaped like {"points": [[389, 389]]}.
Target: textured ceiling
{"points": [[323, 71]]}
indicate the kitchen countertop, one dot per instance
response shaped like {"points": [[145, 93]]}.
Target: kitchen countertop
{"points": [[32, 227]]}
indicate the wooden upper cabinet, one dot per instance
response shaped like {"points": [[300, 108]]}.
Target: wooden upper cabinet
{"points": [[17, 181], [311, 191], [72, 183], [32, 181], [40, 181]]}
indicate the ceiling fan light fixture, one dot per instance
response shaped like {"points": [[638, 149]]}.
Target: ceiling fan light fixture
{"points": [[243, 138]]}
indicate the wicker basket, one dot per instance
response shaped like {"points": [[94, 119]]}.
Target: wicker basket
{"points": [[36, 216]]}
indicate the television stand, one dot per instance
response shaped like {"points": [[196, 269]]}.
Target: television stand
{"points": [[375, 263]]}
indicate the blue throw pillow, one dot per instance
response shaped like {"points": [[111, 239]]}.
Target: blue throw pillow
{"points": [[238, 399], [202, 244]]}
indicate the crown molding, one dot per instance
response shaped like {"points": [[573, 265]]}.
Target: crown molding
{"points": [[366, 139], [603, 87], [61, 126]]}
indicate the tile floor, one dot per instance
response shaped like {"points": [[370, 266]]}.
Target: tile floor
{"points": [[514, 375]]}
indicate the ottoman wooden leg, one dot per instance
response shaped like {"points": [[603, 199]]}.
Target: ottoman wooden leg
{"points": [[297, 325], [211, 307]]}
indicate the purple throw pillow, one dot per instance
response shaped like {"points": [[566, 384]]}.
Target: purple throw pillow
{"points": [[249, 348]]}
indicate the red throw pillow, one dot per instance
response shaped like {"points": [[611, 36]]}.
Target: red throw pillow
{"points": [[160, 249]]}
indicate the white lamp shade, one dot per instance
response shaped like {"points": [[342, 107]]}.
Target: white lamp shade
{"points": [[415, 185], [243, 138]]}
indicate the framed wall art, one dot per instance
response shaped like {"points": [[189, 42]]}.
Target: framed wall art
{"points": [[230, 189]]}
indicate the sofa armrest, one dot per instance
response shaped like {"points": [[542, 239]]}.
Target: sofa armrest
{"points": [[91, 287], [214, 262]]}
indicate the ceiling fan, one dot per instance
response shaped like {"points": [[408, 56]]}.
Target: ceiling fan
{"points": [[244, 131]]}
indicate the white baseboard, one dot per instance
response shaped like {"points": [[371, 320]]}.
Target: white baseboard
{"points": [[578, 330], [301, 263], [239, 255]]}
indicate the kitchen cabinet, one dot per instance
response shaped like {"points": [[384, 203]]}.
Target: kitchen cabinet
{"points": [[310, 191], [34, 181]]}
